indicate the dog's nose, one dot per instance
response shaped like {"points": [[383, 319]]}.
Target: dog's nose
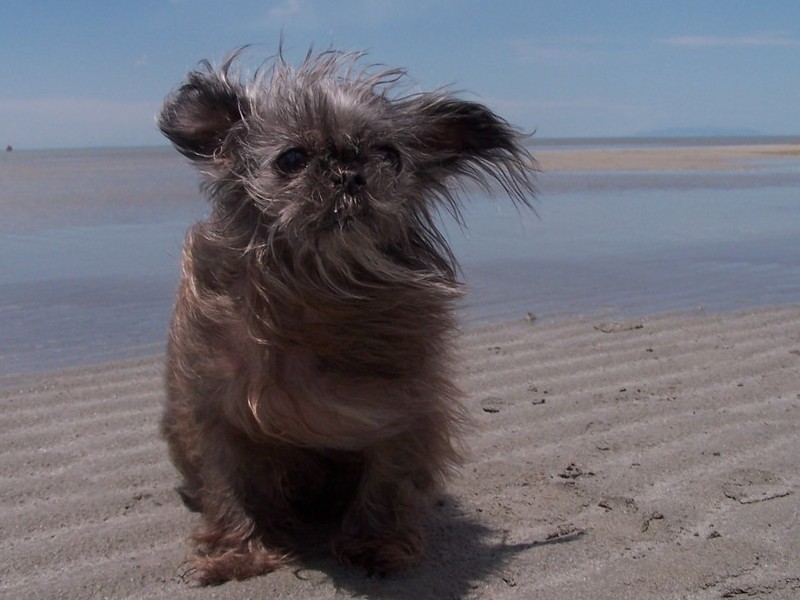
{"points": [[352, 182]]}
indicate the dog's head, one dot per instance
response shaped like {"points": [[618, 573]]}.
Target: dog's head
{"points": [[327, 156]]}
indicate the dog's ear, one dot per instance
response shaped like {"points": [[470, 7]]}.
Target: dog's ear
{"points": [[199, 117], [462, 138], [462, 130]]}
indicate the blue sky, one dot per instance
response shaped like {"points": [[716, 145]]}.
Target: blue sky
{"points": [[94, 73]]}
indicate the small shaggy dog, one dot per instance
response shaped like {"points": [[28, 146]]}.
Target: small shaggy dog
{"points": [[309, 361]]}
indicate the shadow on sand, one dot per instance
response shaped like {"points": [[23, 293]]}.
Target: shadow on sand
{"points": [[461, 553]]}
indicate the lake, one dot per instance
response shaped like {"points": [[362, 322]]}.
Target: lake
{"points": [[90, 241]]}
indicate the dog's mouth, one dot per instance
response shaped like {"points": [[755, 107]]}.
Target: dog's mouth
{"points": [[346, 214]]}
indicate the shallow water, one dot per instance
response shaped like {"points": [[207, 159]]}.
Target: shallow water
{"points": [[705, 240], [90, 240]]}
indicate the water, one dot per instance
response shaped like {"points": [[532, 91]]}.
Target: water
{"points": [[90, 241]]}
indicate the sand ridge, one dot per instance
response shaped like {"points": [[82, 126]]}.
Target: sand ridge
{"points": [[664, 159], [647, 458]]}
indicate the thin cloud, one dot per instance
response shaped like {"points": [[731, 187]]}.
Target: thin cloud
{"points": [[285, 9], [741, 41], [560, 51], [509, 105]]}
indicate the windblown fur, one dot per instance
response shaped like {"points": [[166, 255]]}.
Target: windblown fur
{"points": [[309, 369]]}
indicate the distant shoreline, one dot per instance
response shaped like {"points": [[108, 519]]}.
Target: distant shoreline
{"points": [[586, 154], [537, 143]]}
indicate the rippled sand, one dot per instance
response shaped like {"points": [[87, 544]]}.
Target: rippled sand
{"points": [[652, 458]]}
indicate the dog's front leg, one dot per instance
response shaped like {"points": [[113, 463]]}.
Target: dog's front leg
{"points": [[229, 543], [381, 532]]}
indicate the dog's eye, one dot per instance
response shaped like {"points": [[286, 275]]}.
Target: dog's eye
{"points": [[292, 160], [391, 155]]}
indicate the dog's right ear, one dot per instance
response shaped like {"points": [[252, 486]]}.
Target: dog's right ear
{"points": [[200, 116]]}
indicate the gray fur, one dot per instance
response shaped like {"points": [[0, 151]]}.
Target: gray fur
{"points": [[309, 365]]}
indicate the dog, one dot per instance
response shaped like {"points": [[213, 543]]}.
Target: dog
{"points": [[309, 365]]}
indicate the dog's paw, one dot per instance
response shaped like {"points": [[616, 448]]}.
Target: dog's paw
{"points": [[190, 497], [379, 555], [218, 568]]}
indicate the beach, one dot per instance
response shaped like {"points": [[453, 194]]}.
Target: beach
{"points": [[621, 448]]}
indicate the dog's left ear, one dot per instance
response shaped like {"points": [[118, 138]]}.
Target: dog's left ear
{"points": [[461, 130], [200, 117], [462, 138]]}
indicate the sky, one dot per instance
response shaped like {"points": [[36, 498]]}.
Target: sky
{"points": [[93, 73]]}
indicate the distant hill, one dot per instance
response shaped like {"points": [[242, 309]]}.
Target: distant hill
{"points": [[700, 132]]}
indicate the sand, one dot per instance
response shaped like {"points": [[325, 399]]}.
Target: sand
{"points": [[664, 159], [653, 458]]}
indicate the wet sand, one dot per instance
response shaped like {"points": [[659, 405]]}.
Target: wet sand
{"points": [[664, 159]]}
